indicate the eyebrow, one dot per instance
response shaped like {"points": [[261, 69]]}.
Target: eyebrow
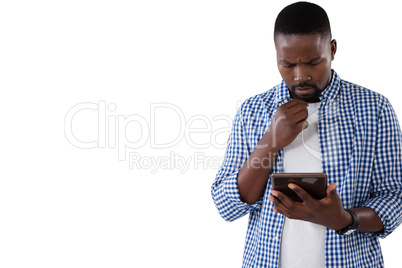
{"points": [[310, 61]]}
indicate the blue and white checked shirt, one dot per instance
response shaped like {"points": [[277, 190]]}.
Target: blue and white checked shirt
{"points": [[360, 142]]}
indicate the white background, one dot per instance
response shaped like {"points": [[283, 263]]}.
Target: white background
{"points": [[65, 206]]}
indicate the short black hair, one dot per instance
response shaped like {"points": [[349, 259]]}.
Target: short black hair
{"points": [[302, 18]]}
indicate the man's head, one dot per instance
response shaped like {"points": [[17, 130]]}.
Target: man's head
{"points": [[304, 49]]}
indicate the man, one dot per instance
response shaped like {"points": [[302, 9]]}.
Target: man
{"points": [[312, 122]]}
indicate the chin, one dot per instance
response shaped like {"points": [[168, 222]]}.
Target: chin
{"points": [[309, 98]]}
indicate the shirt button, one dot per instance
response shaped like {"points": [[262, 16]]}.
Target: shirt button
{"points": [[276, 237]]}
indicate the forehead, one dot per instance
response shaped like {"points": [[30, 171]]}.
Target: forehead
{"points": [[292, 46]]}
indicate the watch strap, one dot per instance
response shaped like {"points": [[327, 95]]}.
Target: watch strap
{"points": [[352, 227]]}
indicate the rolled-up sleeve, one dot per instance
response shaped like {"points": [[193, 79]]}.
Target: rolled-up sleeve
{"points": [[386, 185], [225, 192]]}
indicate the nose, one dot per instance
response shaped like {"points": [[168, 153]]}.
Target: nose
{"points": [[300, 75]]}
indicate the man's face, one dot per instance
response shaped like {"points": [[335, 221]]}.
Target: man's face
{"points": [[304, 62]]}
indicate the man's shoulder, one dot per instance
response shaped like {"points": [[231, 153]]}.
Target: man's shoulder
{"points": [[360, 93], [266, 98], [365, 102], [259, 107]]}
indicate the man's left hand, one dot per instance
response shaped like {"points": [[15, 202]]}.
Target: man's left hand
{"points": [[327, 211]]}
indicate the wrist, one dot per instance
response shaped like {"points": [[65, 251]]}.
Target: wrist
{"points": [[345, 220], [272, 151], [268, 144], [351, 227]]}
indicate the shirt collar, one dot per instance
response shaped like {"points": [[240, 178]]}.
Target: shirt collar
{"points": [[282, 94], [332, 89]]}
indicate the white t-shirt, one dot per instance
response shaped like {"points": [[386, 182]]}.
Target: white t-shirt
{"points": [[303, 243]]}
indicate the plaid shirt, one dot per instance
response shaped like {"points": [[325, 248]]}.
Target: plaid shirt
{"points": [[360, 142]]}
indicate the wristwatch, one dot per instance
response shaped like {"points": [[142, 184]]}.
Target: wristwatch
{"points": [[350, 228]]}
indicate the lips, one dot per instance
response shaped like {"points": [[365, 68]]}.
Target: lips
{"points": [[304, 90]]}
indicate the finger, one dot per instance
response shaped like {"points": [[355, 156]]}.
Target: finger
{"points": [[305, 124], [287, 213], [331, 189], [298, 108], [304, 196], [294, 102], [276, 202], [300, 126], [279, 207], [300, 117], [332, 193], [283, 201]]}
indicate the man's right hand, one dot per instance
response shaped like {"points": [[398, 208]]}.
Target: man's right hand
{"points": [[289, 120]]}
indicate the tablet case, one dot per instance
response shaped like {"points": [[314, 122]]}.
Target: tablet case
{"points": [[313, 183]]}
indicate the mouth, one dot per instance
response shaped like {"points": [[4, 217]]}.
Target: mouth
{"points": [[303, 91]]}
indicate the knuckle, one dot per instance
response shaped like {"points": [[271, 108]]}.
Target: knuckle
{"points": [[279, 196], [304, 196], [291, 206]]}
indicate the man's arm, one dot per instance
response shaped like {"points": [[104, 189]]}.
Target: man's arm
{"points": [[386, 189], [370, 222], [224, 190], [288, 122], [241, 180]]}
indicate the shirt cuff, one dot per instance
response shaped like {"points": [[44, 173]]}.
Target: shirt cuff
{"points": [[376, 204], [231, 191]]}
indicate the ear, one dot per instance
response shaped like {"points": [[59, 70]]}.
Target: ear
{"points": [[333, 49]]}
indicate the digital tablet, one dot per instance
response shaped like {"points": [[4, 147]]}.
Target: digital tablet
{"points": [[313, 183]]}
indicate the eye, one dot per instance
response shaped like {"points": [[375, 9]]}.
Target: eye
{"points": [[314, 63], [288, 65]]}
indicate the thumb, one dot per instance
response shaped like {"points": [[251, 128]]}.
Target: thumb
{"points": [[305, 125], [331, 190]]}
